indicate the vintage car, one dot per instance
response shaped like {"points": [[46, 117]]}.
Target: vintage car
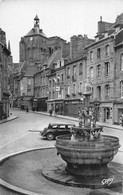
{"points": [[55, 129]]}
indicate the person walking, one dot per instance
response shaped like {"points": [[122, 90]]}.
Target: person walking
{"points": [[27, 109], [51, 111]]}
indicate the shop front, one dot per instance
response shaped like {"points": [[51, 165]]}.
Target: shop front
{"points": [[71, 107], [106, 112], [57, 105], [25, 102], [118, 110], [42, 104]]}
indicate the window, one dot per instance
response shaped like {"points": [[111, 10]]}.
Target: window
{"points": [[68, 72], [74, 71], [29, 81], [121, 89], [53, 94], [117, 29], [91, 73], [99, 92], [98, 70], [121, 63], [107, 50], [92, 95], [50, 83], [98, 53], [107, 91], [68, 89], [58, 78], [62, 77], [107, 68], [80, 68], [53, 83], [80, 87], [74, 88], [28, 90], [49, 95], [91, 56]]}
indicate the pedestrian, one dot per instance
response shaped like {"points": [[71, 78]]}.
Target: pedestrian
{"points": [[50, 111], [27, 109]]}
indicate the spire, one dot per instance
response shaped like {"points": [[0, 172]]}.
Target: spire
{"points": [[9, 48], [36, 21]]}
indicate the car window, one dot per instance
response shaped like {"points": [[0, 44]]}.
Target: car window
{"points": [[62, 126], [70, 126], [54, 127]]}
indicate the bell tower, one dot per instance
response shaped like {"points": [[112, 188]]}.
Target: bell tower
{"points": [[36, 21]]}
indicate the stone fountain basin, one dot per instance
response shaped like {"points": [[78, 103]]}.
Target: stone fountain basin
{"points": [[87, 153]]}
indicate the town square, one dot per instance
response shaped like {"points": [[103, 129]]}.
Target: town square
{"points": [[61, 99]]}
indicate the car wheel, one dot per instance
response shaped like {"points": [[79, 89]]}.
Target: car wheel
{"points": [[50, 136]]}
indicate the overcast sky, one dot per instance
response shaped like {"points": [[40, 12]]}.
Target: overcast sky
{"points": [[63, 18]]}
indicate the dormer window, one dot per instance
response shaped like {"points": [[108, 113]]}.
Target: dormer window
{"points": [[117, 29], [106, 35]]}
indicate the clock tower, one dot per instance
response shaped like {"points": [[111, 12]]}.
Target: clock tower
{"points": [[34, 45]]}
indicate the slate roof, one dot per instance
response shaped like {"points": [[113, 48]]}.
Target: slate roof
{"points": [[35, 31], [54, 58], [31, 70]]}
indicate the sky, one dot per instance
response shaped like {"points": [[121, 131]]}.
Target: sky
{"points": [[63, 18]]}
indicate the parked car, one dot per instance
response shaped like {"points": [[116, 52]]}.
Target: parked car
{"points": [[55, 129]]}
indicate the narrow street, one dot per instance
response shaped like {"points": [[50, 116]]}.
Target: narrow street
{"points": [[15, 135]]}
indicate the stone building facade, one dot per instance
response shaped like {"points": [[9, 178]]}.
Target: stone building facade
{"points": [[5, 58], [62, 68], [102, 65]]}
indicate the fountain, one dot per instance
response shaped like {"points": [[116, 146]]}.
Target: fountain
{"points": [[87, 152]]}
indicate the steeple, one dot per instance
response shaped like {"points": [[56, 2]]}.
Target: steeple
{"points": [[36, 21], [36, 29]]}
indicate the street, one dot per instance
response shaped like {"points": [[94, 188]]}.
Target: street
{"points": [[15, 135]]}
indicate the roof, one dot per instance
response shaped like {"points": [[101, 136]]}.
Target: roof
{"points": [[30, 70], [35, 31], [22, 66], [54, 58]]}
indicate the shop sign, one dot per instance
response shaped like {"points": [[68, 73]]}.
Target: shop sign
{"points": [[58, 88]]}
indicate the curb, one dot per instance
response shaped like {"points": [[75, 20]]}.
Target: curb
{"points": [[12, 187], [26, 192], [7, 120]]}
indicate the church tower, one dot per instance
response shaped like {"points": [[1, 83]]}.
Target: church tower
{"points": [[34, 45]]}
